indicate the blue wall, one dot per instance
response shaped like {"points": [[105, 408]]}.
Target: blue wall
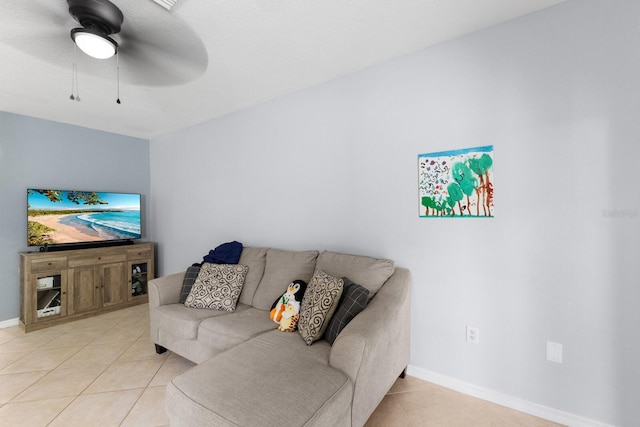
{"points": [[37, 153]]}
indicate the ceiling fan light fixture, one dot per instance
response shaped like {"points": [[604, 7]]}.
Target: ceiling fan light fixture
{"points": [[94, 43]]}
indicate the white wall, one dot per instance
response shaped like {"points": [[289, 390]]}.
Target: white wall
{"points": [[335, 167], [38, 153]]}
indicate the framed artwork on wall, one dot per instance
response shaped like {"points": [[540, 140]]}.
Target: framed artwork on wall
{"points": [[456, 183]]}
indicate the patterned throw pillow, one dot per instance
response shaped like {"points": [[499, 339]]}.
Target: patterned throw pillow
{"points": [[354, 300], [318, 305], [189, 279], [217, 287]]}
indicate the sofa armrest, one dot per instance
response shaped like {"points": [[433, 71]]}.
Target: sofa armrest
{"points": [[162, 291], [165, 290], [374, 348]]}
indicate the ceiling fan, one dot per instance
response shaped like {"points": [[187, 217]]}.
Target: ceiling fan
{"points": [[99, 20], [154, 47]]}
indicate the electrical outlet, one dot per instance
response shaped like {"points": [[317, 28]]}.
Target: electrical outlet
{"points": [[554, 352], [473, 334]]}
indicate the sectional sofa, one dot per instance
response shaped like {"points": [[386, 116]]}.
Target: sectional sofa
{"points": [[249, 373]]}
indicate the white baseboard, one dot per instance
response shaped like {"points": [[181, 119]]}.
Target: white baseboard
{"points": [[8, 323], [502, 399]]}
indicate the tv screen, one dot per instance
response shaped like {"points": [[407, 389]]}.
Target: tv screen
{"points": [[58, 217]]}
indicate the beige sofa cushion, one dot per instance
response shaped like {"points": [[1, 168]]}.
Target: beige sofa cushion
{"points": [[180, 321], [366, 271], [271, 380], [255, 259], [224, 332], [282, 268]]}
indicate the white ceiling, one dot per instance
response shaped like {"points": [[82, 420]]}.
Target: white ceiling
{"points": [[257, 50]]}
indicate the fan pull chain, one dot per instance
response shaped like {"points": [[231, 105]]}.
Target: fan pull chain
{"points": [[74, 78], [75, 69], [118, 76], [73, 73]]}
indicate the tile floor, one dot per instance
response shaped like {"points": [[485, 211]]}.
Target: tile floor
{"points": [[103, 371], [417, 403]]}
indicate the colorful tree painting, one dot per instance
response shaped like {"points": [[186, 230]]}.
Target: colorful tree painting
{"points": [[456, 183]]}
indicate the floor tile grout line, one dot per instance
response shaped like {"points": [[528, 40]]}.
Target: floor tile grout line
{"points": [[391, 393], [93, 394], [101, 373], [143, 391], [148, 382], [62, 410], [39, 370], [132, 406], [76, 396], [60, 364], [46, 375], [22, 391], [88, 385]]}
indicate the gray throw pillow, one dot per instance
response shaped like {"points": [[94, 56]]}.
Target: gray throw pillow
{"points": [[217, 287], [354, 299], [189, 279]]}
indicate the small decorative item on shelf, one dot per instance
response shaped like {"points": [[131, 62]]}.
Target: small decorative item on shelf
{"points": [[136, 288], [45, 282]]}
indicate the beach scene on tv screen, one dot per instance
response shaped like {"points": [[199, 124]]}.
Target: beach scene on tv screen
{"points": [[60, 216]]}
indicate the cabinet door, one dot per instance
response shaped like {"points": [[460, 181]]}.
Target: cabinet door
{"points": [[114, 284], [83, 289]]}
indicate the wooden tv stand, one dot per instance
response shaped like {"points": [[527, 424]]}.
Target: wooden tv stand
{"points": [[58, 287]]}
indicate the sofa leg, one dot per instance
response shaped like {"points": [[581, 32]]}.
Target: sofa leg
{"points": [[403, 373], [160, 349]]}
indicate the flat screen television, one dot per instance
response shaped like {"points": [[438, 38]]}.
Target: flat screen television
{"points": [[74, 218]]}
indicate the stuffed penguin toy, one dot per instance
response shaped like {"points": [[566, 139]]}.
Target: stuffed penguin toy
{"points": [[294, 294]]}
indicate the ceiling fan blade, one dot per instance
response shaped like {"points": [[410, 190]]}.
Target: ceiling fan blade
{"points": [[50, 46], [157, 47], [38, 28], [35, 14], [158, 64]]}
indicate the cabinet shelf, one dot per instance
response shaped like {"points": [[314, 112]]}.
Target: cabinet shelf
{"points": [[49, 302]]}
